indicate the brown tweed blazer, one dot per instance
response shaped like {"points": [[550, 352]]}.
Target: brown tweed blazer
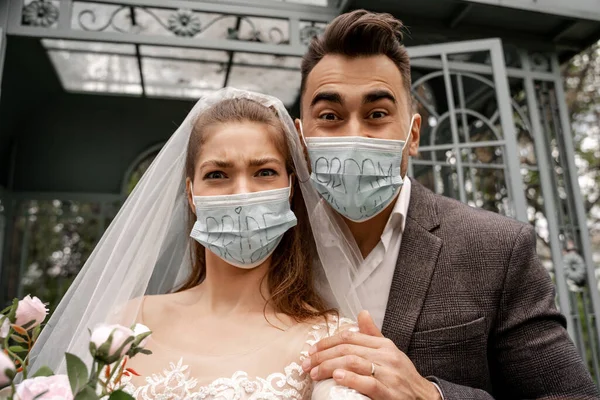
{"points": [[474, 309]]}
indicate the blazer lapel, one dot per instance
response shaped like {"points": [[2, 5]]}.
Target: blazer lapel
{"points": [[417, 258]]}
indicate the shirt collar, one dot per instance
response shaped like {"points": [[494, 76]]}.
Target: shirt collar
{"points": [[397, 219]]}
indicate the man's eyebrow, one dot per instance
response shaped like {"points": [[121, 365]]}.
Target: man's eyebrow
{"points": [[330, 97], [379, 94]]}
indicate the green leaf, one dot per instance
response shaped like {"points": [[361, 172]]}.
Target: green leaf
{"points": [[18, 339], [36, 333], [120, 395], [10, 373], [43, 371], [77, 372], [12, 315], [17, 349], [86, 393]]}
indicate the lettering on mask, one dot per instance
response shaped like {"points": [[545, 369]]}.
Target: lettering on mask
{"points": [[231, 236], [365, 185]]}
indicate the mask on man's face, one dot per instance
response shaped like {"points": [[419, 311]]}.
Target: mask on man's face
{"points": [[358, 176]]}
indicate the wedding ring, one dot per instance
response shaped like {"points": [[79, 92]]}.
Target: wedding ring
{"points": [[373, 370]]}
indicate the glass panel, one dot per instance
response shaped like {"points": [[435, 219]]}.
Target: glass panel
{"points": [[56, 239], [479, 57], [96, 47], [283, 84], [267, 60], [181, 78], [184, 54], [139, 170], [440, 179], [483, 155], [486, 188], [97, 72]]}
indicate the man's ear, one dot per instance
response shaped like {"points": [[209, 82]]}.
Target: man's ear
{"points": [[190, 194], [415, 137]]}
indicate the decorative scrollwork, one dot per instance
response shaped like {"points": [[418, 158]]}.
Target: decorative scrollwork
{"points": [[40, 13], [181, 23], [184, 23], [310, 31]]}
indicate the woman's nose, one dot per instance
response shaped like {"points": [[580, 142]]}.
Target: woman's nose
{"points": [[242, 186]]}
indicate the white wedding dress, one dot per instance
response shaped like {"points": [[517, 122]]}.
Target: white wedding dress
{"points": [[271, 371]]}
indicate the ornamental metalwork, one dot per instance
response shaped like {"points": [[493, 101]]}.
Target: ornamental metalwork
{"points": [[41, 13], [182, 23], [308, 32]]}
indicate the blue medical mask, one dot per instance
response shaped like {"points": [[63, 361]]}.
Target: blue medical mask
{"points": [[243, 229], [358, 176]]}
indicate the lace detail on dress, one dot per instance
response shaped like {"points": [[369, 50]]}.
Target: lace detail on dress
{"points": [[176, 383]]}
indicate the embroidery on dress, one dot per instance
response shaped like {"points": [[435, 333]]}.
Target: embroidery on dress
{"points": [[175, 383]]}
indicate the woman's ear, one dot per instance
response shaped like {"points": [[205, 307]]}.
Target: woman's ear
{"points": [[190, 194]]}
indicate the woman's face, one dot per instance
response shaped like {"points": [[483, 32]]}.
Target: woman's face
{"points": [[239, 157]]}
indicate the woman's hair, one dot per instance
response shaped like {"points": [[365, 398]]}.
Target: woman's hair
{"points": [[290, 277]]}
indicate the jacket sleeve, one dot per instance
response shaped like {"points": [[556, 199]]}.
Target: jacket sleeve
{"points": [[531, 355]]}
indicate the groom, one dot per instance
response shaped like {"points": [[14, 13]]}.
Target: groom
{"points": [[460, 306]]}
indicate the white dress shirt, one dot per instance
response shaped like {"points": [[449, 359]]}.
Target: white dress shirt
{"points": [[375, 274]]}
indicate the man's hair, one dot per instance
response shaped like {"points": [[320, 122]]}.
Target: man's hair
{"points": [[360, 33]]}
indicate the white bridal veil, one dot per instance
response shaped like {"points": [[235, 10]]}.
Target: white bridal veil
{"points": [[145, 250]]}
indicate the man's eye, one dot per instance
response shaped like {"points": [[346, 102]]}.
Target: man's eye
{"points": [[266, 172], [377, 114], [215, 175], [328, 116]]}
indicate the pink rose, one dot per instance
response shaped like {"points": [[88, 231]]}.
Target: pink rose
{"points": [[140, 329], [5, 364], [120, 335], [55, 387], [31, 309]]}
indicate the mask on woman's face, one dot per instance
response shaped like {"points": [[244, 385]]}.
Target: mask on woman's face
{"points": [[243, 229], [358, 176]]}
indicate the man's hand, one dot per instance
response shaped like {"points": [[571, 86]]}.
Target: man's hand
{"points": [[351, 357]]}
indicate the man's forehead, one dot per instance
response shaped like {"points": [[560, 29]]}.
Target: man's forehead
{"points": [[353, 77]]}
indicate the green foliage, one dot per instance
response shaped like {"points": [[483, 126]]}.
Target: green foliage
{"points": [[77, 372]]}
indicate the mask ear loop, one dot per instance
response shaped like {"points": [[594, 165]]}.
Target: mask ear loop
{"points": [[412, 121], [302, 136]]}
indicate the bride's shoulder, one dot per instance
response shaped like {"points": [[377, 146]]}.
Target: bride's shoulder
{"points": [[329, 325], [133, 310]]}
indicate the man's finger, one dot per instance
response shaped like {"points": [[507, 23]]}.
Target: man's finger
{"points": [[366, 324], [367, 385], [348, 337]]}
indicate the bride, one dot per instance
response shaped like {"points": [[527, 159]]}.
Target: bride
{"points": [[213, 251]]}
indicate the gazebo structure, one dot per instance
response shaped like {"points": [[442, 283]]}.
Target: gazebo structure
{"points": [[92, 89]]}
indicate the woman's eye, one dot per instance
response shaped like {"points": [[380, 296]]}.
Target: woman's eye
{"points": [[215, 175], [328, 117], [378, 114], [266, 172]]}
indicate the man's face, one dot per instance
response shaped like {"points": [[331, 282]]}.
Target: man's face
{"points": [[362, 96]]}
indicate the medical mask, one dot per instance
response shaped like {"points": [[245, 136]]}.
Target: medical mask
{"points": [[358, 176], [243, 229]]}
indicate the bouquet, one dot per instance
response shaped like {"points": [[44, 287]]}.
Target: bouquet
{"points": [[110, 346]]}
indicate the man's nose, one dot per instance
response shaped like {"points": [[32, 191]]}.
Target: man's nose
{"points": [[354, 127]]}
